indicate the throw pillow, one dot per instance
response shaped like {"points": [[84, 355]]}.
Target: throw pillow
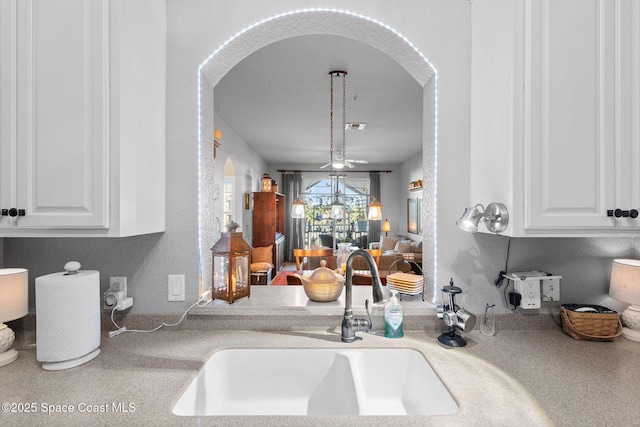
{"points": [[403, 246], [416, 247], [260, 266], [388, 243], [262, 254]]}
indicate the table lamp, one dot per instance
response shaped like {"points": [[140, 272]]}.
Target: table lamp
{"points": [[386, 227], [625, 286], [14, 304]]}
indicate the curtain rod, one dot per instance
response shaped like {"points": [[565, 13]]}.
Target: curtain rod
{"points": [[328, 171]]}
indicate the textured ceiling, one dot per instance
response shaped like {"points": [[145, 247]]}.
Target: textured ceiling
{"points": [[278, 100]]}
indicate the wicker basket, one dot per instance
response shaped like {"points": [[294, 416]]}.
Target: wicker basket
{"points": [[600, 325]]}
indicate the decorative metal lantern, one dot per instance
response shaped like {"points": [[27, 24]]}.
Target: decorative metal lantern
{"points": [[231, 261], [266, 183]]}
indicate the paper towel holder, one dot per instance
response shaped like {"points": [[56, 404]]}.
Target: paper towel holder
{"points": [[70, 337], [72, 267]]}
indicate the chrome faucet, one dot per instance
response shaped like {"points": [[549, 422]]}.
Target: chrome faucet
{"points": [[351, 324]]}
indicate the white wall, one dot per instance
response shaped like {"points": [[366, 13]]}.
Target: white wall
{"points": [[438, 28], [249, 167], [409, 170]]}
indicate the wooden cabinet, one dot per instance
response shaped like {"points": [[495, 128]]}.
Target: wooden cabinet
{"points": [[82, 101], [268, 224], [554, 107]]}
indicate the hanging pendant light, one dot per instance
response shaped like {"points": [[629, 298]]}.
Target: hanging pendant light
{"points": [[297, 208], [337, 210], [337, 162], [375, 211], [336, 207]]}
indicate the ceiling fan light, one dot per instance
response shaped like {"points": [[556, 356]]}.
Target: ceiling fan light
{"points": [[338, 165]]}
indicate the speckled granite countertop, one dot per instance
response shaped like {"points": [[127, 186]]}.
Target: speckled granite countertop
{"points": [[517, 377]]}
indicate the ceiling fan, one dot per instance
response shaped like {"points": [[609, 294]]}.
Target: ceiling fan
{"points": [[339, 159], [339, 162]]}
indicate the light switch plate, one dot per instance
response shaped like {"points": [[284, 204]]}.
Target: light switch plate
{"points": [[176, 287]]}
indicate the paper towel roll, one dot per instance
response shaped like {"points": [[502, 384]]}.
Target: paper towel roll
{"points": [[67, 318]]}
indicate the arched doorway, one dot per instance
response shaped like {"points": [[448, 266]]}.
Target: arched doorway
{"points": [[306, 22]]}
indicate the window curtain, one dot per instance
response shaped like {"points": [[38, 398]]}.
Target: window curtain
{"points": [[374, 190], [293, 227]]}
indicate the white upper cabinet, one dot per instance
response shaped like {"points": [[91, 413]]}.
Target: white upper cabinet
{"points": [[82, 125], [554, 114]]}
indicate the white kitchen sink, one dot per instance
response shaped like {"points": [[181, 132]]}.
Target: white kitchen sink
{"points": [[316, 382]]}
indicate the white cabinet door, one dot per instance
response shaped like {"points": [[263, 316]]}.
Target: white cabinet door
{"points": [[82, 117], [627, 93], [570, 118], [62, 114], [8, 121], [555, 100]]}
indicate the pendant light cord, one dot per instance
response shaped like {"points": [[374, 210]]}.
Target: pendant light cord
{"points": [[331, 122]]}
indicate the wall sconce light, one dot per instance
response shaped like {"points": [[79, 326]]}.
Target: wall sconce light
{"points": [[14, 299], [386, 227], [247, 201], [375, 211], [297, 208], [496, 218], [625, 286]]}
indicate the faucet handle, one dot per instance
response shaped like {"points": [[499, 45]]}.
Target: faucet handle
{"points": [[366, 307]]}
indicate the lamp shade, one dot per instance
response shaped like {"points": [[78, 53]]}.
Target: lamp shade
{"points": [[375, 211], [297, 209], [337, 210], [386, 226], [14, 293], [625, 280], [469, 220]]}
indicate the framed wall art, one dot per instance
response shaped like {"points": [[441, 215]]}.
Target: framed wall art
{"points": [[412, 216]]}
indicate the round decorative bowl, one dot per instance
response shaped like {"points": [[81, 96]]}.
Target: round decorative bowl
{"points": [[323, 284]]}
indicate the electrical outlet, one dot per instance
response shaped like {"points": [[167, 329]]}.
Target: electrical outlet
{"points": [[118, 284], [551, 289], [530, 291], [116, 293], [176, 287]]}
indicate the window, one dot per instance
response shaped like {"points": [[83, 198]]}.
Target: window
{"points": [[228, 200], [352, 227]]}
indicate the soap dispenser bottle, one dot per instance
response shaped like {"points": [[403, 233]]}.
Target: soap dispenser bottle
{"points": [[393, 317]]}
